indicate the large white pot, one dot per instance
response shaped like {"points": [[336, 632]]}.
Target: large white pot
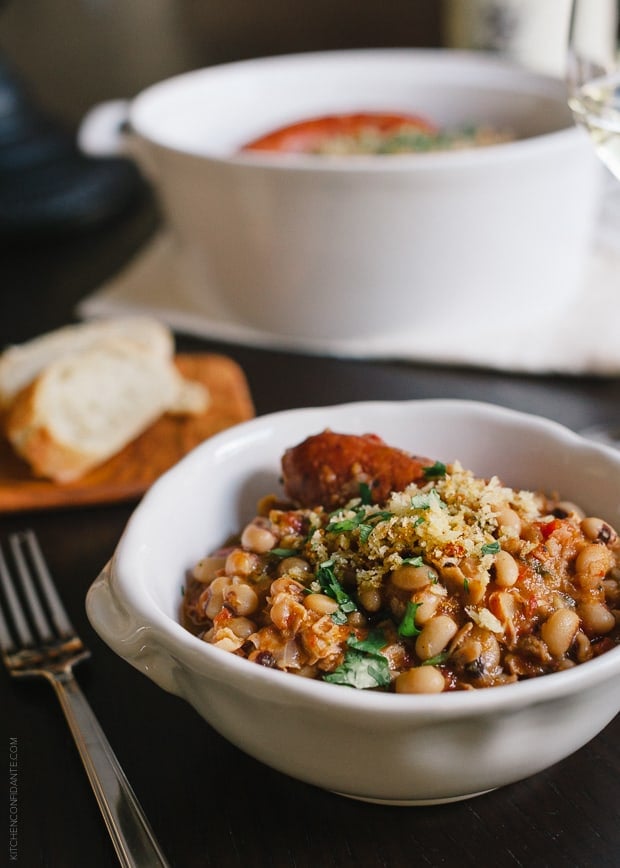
{"points": [[351, 246]]}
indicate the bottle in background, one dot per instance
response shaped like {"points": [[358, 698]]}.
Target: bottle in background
{"points": [[531, 32]]}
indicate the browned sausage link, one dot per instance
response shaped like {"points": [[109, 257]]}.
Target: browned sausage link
{"points": [[327, 469]]}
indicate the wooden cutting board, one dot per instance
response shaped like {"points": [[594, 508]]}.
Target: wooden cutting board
{"points": [[128, 474]]}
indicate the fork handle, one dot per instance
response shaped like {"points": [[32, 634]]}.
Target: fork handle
{"points": [[133, 839]]}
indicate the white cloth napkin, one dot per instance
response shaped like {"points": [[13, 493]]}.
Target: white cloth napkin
{"points": [[582, 339]]}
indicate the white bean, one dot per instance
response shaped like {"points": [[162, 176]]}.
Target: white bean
{"points": [[597, 529], [559, 631], [509, 521], [506, 569], [420, 679], [411, 578], [258, 539], [320, 604], [435, 636], [592, 564], [596, 618]]}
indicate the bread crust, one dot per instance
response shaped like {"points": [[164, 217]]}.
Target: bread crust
{"points": [[85, 407], [20, 364], [36, 444]]}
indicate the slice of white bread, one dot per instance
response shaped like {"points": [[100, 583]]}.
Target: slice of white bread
{"points": [[21, 363], [85, 406]]}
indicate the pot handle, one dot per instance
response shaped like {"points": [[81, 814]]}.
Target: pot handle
{"points": [[135, 642], [104, 129]]}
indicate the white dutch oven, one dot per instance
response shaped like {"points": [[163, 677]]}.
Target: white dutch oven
{"points": [[312, 246]]}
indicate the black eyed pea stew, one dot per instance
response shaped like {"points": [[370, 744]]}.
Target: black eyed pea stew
{"points": [[453, 583], [374, 133]]}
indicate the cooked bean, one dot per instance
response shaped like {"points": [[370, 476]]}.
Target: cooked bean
{"points": [[420, 679], [257, 538], [427, 607], [467, 652], [226, 640], [566, 663], [357, 619], [491, 653], [567, 507], [288, 615], [598, 530], [592, 564], [596, 618], [612, 592], [294, 566], [506, 569], [240, 563], [583, 647], [241, 598], [241, 627], [320, 604], [266, 504], [559, 630], [435, 636], [207, 568], [508, 521], [370, 598], [215, 599], [411, 578], [287, 585]]}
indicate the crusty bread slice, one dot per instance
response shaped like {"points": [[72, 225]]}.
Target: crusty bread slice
{"points": [[21, 363], [86, 406]]}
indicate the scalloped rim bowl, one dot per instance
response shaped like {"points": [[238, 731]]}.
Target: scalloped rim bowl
{"points": [[374, 746]]}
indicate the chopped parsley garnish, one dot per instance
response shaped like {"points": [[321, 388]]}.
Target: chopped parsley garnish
{"points": [[490, 548], [407, 626], [332, 588], [426, 500], [284, 553], [437, 660], [362, 520], [435, 471], [365, 531], [365, 493], [363, 666], [362, 671], [344, 525], [372, 644], [414, 561]]}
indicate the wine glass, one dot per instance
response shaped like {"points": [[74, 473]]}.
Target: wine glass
{"points": [[593, 77]]}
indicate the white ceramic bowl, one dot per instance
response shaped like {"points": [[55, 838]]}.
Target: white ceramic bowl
{"points": [[381, 747], [319, 247]]}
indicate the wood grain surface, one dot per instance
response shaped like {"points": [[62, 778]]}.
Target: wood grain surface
{"points": [[128, 474]]}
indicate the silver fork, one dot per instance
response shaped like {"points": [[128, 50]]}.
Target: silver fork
{"points": [[37, 640]]}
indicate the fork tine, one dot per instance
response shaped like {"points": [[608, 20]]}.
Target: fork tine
{"points": [[34, 604], [15, 610], [57, 611], [6, 643]]}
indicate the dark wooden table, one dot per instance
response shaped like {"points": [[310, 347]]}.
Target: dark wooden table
{"points": [[209, 804]]}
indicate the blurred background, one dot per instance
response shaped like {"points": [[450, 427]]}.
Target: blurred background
{"points": [[59, 58], [74, 53]]}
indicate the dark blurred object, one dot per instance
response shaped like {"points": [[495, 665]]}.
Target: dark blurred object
{"points": [[47, 186], [220, 32]]}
